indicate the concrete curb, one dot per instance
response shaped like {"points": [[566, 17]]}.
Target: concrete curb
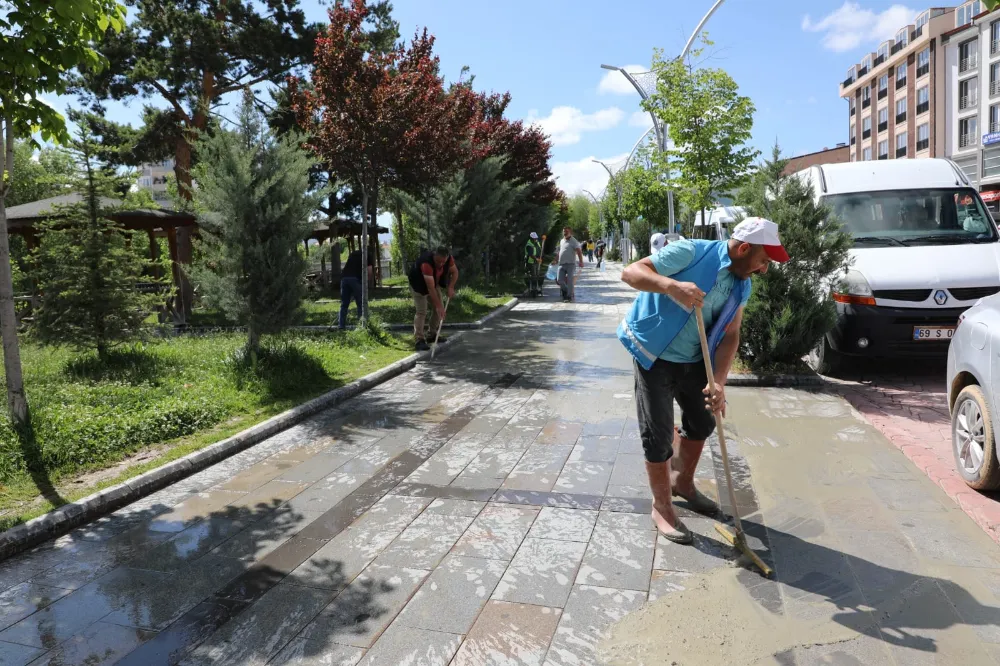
{"points": [[74, 514], [774, 380]]}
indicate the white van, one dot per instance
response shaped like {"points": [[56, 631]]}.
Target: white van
{"points": [[925, 249], [718, 223]]}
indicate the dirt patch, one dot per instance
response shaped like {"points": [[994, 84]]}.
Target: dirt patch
{"points": [[726, 627]]}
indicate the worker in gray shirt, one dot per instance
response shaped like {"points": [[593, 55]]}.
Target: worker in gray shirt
{"points": [[570, 255]]}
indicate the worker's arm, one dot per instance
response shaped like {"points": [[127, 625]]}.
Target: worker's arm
{"points": [[432, 291], [642, 275], [725, 354], [579, 255], [452, 280]]}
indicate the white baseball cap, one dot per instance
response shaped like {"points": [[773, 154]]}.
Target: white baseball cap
{"points": [[534, 235], [657, 241], [758, 231]]}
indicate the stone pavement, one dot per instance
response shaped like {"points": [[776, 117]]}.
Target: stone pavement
{"points": [[491, 508], [909, 405]]}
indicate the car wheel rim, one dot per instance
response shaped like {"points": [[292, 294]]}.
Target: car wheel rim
{"points": [[970, 436]]}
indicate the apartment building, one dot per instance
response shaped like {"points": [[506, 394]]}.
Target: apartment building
{"points": [[972, 97], [895, 109], [153, 177]]}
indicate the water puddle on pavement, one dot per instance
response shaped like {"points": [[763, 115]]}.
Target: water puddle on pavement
{"points": [[713, 621]]}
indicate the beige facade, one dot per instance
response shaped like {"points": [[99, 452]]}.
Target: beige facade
{"points": [[896, 103]]}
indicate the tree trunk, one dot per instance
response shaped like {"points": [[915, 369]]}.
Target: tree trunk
{"points": [[427, 203], [17, 402], [364, 255], [182, 172], [399, 237], [375, 246]]}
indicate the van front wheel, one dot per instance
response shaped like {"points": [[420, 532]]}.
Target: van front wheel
{"points": [[824, 359]]}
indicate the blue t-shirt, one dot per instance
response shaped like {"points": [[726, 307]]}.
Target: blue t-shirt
{"points": [[672, 259]]}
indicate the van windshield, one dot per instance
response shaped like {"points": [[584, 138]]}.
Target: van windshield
{"points": [[947, 216]]}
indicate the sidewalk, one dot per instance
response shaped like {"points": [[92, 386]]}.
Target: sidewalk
{"points": [[492, 508]]}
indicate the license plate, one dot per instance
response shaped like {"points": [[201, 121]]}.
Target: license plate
{"points": [[933, 332]]}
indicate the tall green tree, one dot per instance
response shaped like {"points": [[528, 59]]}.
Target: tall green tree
{"points": [[253, 189], [42, 40], [87, 272], [791, 307], [46, 173], [709, 123]]}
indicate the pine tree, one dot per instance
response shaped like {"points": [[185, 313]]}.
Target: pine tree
{"points": [[791, 308], [88, 274], [255, 209]]}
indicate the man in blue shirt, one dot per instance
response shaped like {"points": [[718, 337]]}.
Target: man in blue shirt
{"points": [[661, 333]]}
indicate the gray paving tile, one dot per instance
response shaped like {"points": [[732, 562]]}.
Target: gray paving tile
{"points": [[587, 618], [663, 583], [196, 508], [455, 507], [509, 633], [453, 595], [366, 607], [595, 449], [12, 654], [263, 629], [590, 478], [538, 468], [325, 494], [319, 466], [616, 520], [88, 564], [425, 542], [494, 463], [559, 432], [907, 495], [708, 551], [258, 539], [268, 497], [541, 572], [22, 600], [618, 558], [629, 470], [496, 533], [256, 476], [950, 538], [301, 652], [413, 647], [563, 524], [99, 644], [190, 544]]}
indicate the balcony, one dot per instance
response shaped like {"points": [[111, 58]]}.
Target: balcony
{"points": [[848, 81], [865, 103], [884, 157], [967, 102], [968, 64], [883, 126], [967, 140], [994, 127], [923, 107], [901, 117], [862, 72], [900, 152], [916, 33], [923, 69], [922, 144], [852, 111], [853, 140], [866, 134], [900, 83], [896, 48], [878, 61], [882, 92]]}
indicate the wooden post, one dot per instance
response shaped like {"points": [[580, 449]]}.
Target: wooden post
{"points": [[154, 256], [177, 309]]}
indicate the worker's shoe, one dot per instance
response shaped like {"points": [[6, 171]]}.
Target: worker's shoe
{"points": [[698, 502], [677, 533], [441, 339], [422, 345]]}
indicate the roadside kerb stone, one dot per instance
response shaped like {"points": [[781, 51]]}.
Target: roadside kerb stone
{"points": [[749, 379], [73, 514]]}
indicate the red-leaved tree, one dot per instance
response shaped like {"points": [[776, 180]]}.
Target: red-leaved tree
{"points": [[380, 119]]}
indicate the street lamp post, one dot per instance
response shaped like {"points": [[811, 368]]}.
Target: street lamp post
{"points": [[618, 192]]}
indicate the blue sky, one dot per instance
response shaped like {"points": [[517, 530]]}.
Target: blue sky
{"points": [[789, 57]]}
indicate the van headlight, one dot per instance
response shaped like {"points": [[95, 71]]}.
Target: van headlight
{"points": [[854, 289]]}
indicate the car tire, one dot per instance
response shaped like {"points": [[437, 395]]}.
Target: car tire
{"points": [[972, 427], [825, 360]]}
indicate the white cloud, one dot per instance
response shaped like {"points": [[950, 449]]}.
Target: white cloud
{"points": [[849, 26], [614, 83], [640, 119], [566, 124], [585, 174]]}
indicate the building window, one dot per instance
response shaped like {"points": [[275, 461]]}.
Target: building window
{"points": [[883, 119], [853, 135], [901, 144], [900, 76], [923, 100], [994, 37], [968, 55], [883, 86], [965, 13], [923, 62], [852, 105], [900, 110], [866, 154], [967, 134], [968, 93], [866, 127], [883, 51], [995, 118], [866, 97], [918, 25], [923, 137], [866, 63], [883, 149], [995, 79], [902, 38]]}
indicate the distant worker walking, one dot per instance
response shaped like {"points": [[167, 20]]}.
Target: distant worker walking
{"points": [[590, 251], [532, 263], [599, 252], [431, 273], [350, 285], [569, 252]]}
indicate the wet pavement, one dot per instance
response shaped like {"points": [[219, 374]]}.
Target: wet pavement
{"points": [[492, 508]]}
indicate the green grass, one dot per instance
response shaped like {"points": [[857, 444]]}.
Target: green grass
{"points": [[185, 392], [797, 368]]}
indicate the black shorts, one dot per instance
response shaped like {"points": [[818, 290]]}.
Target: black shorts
{"points": [[655, 392]]}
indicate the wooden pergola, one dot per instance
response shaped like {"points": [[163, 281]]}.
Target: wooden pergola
{"points": [[328, 230]]}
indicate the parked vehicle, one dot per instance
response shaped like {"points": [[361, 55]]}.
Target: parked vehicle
{"points": [[718, 221], [925, 249], [973, 383]]}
